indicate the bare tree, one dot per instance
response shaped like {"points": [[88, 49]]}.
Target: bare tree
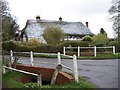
{"points": [[9, 24], [114, 11]]}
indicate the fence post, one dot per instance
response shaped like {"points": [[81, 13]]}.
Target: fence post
{"points": [[95, 51], [11, 55], [113, 49], [59, 58], [39, 80], [31, 58], [4, 70], [75, 68], [78, 51], [64, 50]]}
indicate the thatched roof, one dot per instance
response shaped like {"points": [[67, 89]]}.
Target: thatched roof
{"points": [[34, 28]]}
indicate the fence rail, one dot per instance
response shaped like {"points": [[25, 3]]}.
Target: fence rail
{"points": [[74, 70], [39, 78], [94, 49]]}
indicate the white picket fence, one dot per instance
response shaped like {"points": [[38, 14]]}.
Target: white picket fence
{"points": [[94, 48], [59, 61]]}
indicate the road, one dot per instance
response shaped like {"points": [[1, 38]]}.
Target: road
{"points": [[102, 73]]}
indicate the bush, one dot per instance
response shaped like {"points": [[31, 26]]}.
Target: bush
{"points": [[8, 46], [87, 38], [43, 48], [46, 48], [115, 43], [100, 39], [33, 42], [73, 44], [53, 35]]}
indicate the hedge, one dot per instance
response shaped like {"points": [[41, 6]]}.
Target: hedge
{"points": [[116, 44], [42, 48], [8, 46]]}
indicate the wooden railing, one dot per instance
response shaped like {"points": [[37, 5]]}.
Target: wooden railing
{"points": [[94, 49], [39, 77], [59, 61]]}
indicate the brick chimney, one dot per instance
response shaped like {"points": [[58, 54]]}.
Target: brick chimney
{"points": [[37, 17], [60, 18], [86, 24]]}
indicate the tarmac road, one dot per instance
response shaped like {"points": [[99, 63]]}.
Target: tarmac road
{"points": [[102, 73]]}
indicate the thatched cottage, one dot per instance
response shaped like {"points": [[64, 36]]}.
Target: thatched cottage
{"points": [[73, 30]]}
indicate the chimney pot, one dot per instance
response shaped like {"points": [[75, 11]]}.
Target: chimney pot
{"points": [[37, 17], [60, 18], [86, 24]]}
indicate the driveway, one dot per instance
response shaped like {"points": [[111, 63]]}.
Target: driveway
{"points": [[103, 73]]}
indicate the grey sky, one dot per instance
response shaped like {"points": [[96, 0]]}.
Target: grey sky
{"points": [[93, 11]]}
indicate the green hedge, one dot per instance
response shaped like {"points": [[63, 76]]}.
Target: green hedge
{"points": [[8, 46], [73, 44], [43, 48], [116, 44]]}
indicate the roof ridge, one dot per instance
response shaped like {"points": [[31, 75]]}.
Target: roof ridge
{"points": [[47, 20]]}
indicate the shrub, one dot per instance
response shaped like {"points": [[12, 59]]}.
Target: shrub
{"points": [[46, 48], [115, 43], [33, 42], [8, 46], [73, 43], [53, 35], [43, 48], [87, 38], [101, 38]]}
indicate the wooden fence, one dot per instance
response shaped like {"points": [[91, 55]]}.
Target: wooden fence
{"points": [[39, 79], [59, 61], [94, 49]]}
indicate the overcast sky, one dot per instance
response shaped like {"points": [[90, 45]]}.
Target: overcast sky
{"points": [[93, 11]]}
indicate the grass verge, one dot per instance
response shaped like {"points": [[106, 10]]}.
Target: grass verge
{"points": [[12, 80], [51, 55], [99, 56]]}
